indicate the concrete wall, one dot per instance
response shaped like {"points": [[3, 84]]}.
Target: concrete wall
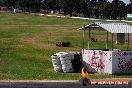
{"points": [[122, 62], [108, 61]]}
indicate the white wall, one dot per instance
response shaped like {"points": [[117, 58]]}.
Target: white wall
{"points": [[108, 61]]}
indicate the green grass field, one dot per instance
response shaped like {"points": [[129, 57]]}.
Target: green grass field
{"points": [[27, 42]]}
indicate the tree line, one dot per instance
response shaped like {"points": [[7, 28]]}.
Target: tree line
{"points": [[87, 8]]}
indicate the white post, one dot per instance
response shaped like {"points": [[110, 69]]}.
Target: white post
{"points": [[112, 41], [128, 42], [107, 41], [83, 38]]}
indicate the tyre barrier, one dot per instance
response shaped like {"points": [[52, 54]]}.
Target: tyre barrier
{"points": [[56, 60], [54, 56], [68, 70], [66, 62], [65, 59], [67, 65], [65, 55], [57, 66], [56, 63], [58, 69]]}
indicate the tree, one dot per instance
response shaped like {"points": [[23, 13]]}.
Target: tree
{"points": [[129, 7], [2, 2], [116, 8], [119, 9], [108, 10], [87, 8], [122, 9], [84, 9], [103, 8], [10, 3], [70, 6]]}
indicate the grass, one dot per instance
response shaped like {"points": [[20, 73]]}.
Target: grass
{"points": [[27, 42]]}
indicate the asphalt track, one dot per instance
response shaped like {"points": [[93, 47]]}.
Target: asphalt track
{"points": [[53, 84]]}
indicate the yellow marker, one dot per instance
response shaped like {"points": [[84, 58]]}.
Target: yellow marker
{"points": [[116, 42], [84, 74]]}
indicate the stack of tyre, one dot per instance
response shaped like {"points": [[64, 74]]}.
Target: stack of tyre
{"points": [[66, 59], [56, 63], [66, 62]]}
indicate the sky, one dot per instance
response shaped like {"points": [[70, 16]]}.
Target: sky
{"points": [[126, 1]]}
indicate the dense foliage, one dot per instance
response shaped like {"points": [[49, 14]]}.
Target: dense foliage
{"points": [[116, 9]]}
